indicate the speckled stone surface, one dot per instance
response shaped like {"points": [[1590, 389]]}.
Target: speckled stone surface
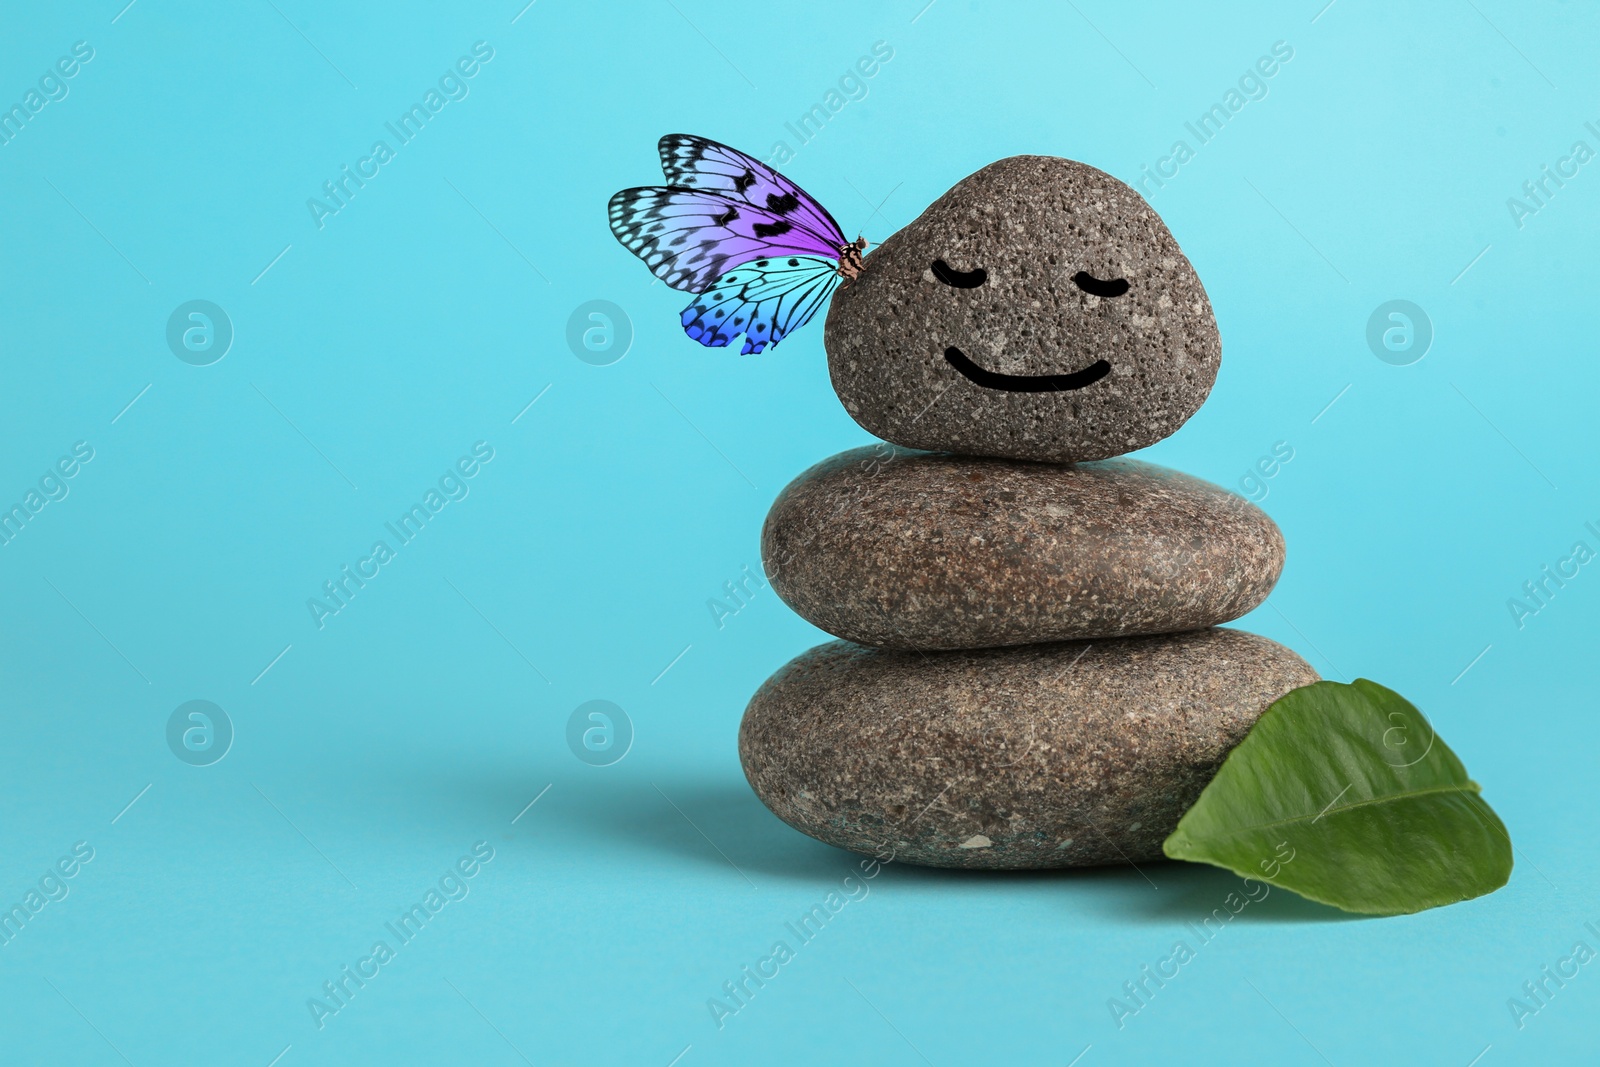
{"points": [[1062, 755], [921, 550], [1032, 223]]}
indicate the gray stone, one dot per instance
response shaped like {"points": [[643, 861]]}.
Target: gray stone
{"points": [[1032, 223], [1063, 755], [924, 550]]}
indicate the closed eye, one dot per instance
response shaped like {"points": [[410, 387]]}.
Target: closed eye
{"points": [[960, 279], [1095, 287]]}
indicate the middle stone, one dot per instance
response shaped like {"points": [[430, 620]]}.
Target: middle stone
{"points": [[917, 550]]}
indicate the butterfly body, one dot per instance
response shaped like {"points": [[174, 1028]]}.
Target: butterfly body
{"points": [[851, 263], [758, 251]]}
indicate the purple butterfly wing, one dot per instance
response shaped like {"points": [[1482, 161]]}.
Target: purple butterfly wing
{"points": [[691, 237], [765, 300], [697, 163]]}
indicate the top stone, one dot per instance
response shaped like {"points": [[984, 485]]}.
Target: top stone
{"points": [[1039, 310]]}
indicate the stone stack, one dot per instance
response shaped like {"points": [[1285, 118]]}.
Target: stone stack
{"points": [[1029, 675]]}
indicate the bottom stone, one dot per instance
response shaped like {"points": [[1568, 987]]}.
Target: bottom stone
{"points": [[1061, 755]]}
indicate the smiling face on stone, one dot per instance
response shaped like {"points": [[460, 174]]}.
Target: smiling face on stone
{"points": [[1038, 310]]}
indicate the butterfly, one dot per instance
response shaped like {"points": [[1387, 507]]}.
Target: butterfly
{"points": [[760, 253]]}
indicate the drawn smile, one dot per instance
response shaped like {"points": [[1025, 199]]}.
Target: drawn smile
{"points": [[1026, 383]]}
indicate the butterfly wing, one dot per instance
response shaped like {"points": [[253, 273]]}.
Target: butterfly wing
{"points": [[697, 163], [691, 237], [765, 300]]}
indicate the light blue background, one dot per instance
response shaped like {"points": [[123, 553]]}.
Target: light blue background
{"points": [[426, 715]]}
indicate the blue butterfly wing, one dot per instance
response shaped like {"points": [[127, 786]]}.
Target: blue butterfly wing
{"points": [[765, 300], [690, 237], [700, 163]]}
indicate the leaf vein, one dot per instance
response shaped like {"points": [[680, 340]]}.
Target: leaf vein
{"points": [[1471, 789]]}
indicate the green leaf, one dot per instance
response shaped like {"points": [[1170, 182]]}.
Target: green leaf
{"points": [[1344, 794]]}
